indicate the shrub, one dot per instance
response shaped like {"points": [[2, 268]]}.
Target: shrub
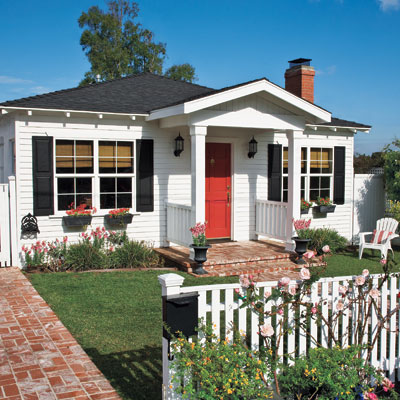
{"points": [[133, 254], [327, 374], [84, 256], [219, 369], [393, 210], [321, 237]]}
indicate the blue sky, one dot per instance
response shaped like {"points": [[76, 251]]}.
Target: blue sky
{"points": [[354, 44]]}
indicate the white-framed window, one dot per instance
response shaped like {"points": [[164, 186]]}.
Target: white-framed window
{"points": [[97, 173], [316, 173]]}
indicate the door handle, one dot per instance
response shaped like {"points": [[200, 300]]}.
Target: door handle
{"points": [[229, 198]]}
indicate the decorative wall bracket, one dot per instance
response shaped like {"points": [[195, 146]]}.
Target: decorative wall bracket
{"points": [[29, 224]]}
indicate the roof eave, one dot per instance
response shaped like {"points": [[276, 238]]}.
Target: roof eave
{"points": [[334, 128]]}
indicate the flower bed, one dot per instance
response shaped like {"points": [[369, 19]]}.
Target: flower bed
{"points": [[99, 249]]}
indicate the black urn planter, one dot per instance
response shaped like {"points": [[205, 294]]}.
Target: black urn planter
{"points": [[77, 220], [300, 249], [118, 220], [200, 256], [326, 209]]}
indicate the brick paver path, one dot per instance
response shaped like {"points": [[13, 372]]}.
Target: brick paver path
{"points": [[39, 358]]}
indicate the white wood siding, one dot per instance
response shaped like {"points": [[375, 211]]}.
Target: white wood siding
{"points": [[7, 129]]}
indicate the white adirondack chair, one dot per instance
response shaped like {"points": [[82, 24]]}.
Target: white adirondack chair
{"points": [[381, 241]]}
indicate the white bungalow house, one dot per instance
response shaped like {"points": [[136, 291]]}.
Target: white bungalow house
{"points": [[113, 144]]}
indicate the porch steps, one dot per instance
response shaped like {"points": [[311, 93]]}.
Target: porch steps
{"points": [[234, 258]]}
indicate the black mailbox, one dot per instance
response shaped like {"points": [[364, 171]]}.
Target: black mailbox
{"points": [[180, 314]]}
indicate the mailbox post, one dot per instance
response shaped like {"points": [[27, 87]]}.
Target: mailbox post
{"points": [[180, 313]]}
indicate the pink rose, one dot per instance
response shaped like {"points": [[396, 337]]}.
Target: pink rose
{"points": [[267, 294], [292, 290], [383, 261], [343, 289], [374, 293], [372, 396], [304, 274], [267, 330], [314, 310], [339, 306], [244, 281], [280, 311], [284, 281], [360, 280], [326, 249], [309, 254], [365, 273], [387, 384]]}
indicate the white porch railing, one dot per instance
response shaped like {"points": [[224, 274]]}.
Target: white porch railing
{"points": [[271, 219], [5, 254], [220, 305], [178, 223]]}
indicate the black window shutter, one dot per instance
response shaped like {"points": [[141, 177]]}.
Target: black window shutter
{"points": [[339, 174], [43, 188], [274, 172], [144, 175]]}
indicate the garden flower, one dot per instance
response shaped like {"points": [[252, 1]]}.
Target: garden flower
{"points": [[387, 384], [304, 274], [339, 306], [360, 280], [266, 330], [267, 294], [383, 261], [314, 309], [309, 254], [280, 311], [244, 281], [371, 396], [374, 293], [292, 290], [343, 289], [326, 249], [365, 273], [284, 281]]}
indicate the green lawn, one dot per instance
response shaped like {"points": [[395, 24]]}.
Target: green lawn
{"points": [[116, 317]]}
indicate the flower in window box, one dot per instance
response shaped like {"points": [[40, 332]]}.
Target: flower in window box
{"points": [[118, 212], [119, 216], [305, 205], [323, 201], [82, 209]]}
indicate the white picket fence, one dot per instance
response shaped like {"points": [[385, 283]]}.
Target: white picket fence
{"points": [[178, 223], [271, 219], [220, 305]]}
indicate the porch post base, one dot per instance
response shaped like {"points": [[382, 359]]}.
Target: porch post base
{"points": [[191, 253], [290, 245]]}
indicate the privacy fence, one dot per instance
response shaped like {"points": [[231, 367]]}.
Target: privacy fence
{"points": [[220, 304]]}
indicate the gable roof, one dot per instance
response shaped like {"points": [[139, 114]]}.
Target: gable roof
{"points": [[135, 94]]}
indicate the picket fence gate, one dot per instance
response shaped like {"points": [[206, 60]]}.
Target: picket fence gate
{"points": [[218, 304]]}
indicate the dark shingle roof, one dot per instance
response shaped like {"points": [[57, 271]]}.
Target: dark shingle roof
{"points": [[136, 94], [345, 124]]}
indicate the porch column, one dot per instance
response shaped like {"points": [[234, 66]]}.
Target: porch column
{"points": [[198, 165], [294, 184]]}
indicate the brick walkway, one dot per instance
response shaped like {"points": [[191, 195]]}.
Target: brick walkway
{"points": [[39, 358]]}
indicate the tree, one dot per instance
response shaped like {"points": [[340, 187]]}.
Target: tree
{"points": [[183, 72], [364, 163], [391, 155], [117, 46]]}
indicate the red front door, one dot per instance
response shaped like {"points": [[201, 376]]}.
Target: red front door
{"points": [[218, 190]]}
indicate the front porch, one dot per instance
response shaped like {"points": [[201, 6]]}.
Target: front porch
{"points": [[257, 257]]}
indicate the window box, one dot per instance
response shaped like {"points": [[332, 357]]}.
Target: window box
{"points": [[119, 219], [77, 220], [325, 209], [305, 211]]}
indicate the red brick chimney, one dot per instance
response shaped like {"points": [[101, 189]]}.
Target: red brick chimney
{"points": [[299, 78]]}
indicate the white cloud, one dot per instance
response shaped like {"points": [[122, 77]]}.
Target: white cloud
{"points": [[387, 5], [11, 80], [327, 71], [40, 89]]}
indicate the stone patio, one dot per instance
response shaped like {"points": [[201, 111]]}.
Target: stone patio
{"points": [[267, 260], [39, 358]]}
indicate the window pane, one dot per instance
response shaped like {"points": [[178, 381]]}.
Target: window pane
{"points": [[315, 164], [83, 185], [85, 199], [325, 182], [326, 167], [124, 185], [107, 201], [285, 183], [303, 182], [125, 165], [84, 165], [64, 201], [84, 148], [125, 149], [314, 194], [285, 160], [314, 182], [107, 165], [107, 149], [107, 185], [302, 194], [65, 148], [64, 165], [303, 160], [324, 193], [65, 185], [285, 196], [124, 200]]}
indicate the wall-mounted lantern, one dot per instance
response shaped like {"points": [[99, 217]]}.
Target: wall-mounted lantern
{"points": [[252, 148], [179, 145]]}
